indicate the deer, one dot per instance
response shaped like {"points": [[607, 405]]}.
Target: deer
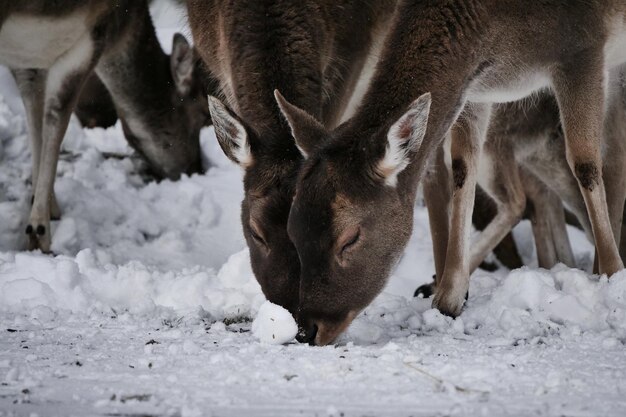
{"points": [[535, 171], [444, 65], [535, 138], [52, 48], [313, 52]]}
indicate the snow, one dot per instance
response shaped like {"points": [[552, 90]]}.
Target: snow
{"points": [[147, 309], [274, 325]]}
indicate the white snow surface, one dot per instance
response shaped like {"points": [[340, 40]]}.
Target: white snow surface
{"points": [[146, 309]]}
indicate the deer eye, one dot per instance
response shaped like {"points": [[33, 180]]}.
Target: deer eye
{"points": [[256, 236], [348, 239]]}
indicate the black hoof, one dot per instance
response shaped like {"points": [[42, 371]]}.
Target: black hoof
{"points": [[426, 290], [29, 230]]}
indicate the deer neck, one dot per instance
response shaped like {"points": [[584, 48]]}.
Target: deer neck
{"points": [[431, 49], [135, 69], [288, 52]]}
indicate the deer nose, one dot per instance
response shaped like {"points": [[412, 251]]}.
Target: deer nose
{"points": [[307, 333]]}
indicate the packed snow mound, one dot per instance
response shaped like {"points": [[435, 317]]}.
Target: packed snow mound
{"points": [[274, 325], [517, 307], [85, 285], [525, 304]]}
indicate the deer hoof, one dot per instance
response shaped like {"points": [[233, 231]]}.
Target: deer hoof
{"points": [[425, 291], [38, 238], [450, 303]]}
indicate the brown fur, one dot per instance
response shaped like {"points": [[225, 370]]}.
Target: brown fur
{"points": [[459, 51], [312, 52]]}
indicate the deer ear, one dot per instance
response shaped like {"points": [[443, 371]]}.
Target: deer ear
{"points": [[181, 64], [403, 138], [231, 133], [305, 129]]}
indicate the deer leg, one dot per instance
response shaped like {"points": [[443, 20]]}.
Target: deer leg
{"points": [[437, 196], [485, 210], [32, 86], [548, 223], [614, 175], [467, 137], [581, 95], [502, 182], [614, 168], [64, 83]]}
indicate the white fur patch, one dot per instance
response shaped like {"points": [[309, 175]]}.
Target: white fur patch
{"points": [[404, 136], [37, 42], [230, 132], [615, 48], [75, 59], [507, 91]]}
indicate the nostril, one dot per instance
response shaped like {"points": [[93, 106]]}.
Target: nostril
{"points": [[306, 334]]}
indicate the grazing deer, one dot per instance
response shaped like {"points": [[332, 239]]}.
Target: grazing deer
{"points": [[52, 48], [313, 52], [352, 212]]}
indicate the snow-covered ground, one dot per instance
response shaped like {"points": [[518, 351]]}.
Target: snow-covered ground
{"points": [[147, 309]]}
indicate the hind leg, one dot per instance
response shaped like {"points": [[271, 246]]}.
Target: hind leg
{"points": [[548, 223], [500, 179], [580, 91]]}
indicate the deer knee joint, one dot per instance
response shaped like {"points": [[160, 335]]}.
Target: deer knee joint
{"points": [[459, 173], [588, 174]]}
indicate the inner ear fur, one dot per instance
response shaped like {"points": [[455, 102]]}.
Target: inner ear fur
{"points": [[403, 138], [231, 133]]}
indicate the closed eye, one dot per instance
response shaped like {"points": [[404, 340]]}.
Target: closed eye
{"points": [[256, 236], [351, 242], [348, 239]]}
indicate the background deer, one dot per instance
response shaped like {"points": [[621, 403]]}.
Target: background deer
{"points": [[352, 214], [313, 53], [523, 160], [535, 139], [52, 47]]}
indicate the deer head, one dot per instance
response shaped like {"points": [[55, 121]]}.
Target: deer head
{"points": [[271, 166], [351, 216], [167, 132]]}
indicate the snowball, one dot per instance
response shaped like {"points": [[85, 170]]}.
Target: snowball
{"points": [[274, 325]]}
